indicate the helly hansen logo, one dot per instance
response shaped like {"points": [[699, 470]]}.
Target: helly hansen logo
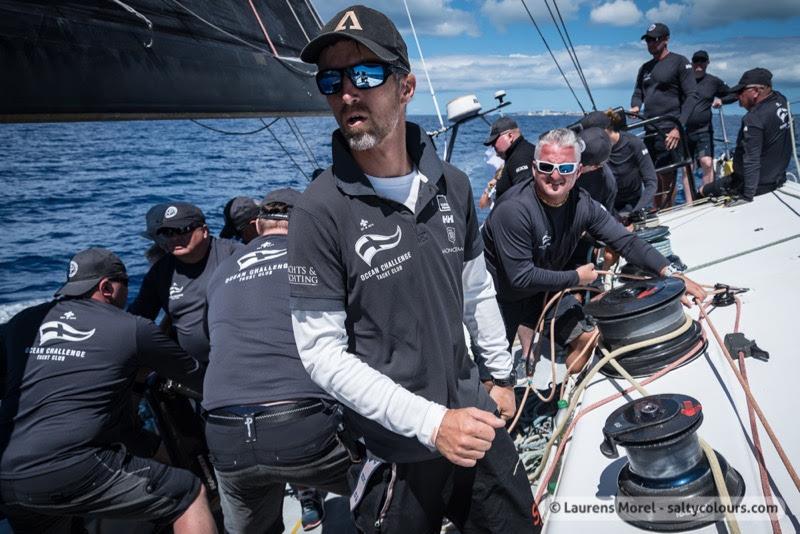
{"points": [[370, 244], [58, 331], [349, 22], [448, 219], [259, 256]]}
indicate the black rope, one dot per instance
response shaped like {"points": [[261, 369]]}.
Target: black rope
{"points": [[299, 168], [570, 52], [535, 25], [786, 204], [575, 55], [301, 140], [228, 132]]}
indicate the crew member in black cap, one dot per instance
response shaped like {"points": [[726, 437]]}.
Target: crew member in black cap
{"points": [[385, 267], [509, 144], [152, 221], [240, 219], [764, 144], [665, 86], [177, 282], [268, 423], [596, 176], [68, 368], [711, 92]]}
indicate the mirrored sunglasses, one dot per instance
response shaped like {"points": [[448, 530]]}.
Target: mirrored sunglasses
{"points": [[363, 76], [563, 168]]}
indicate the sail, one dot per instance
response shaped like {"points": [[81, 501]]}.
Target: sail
{"points": [[149, 59]]}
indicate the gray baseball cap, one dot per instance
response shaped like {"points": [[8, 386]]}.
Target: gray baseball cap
{"points": [[88, 267]]}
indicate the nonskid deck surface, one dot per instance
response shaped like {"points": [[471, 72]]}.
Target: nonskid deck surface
{"points": [[756, 246]]}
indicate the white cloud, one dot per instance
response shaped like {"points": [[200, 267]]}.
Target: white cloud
{"points": [[431, 17], [504, 13], [616, 13], [666, 12], [704, 13]]}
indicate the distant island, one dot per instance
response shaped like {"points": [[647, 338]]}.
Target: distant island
{"points": [[547, 113]]}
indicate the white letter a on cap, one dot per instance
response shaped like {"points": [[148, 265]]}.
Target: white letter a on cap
{"points": [[343, 24]]}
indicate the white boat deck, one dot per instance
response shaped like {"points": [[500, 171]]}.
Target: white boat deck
{"points": [[703, 236]]}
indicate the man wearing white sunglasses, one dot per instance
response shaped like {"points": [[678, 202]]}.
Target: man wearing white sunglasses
{"points": [[530, 237]]}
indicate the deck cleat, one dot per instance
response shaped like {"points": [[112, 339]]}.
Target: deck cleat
{"points": [[667, 484]]}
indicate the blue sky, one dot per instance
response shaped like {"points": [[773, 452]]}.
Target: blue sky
{"points": [[479, 46]]}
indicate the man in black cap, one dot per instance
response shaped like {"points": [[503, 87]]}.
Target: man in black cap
{"points": [[596, 176], [268, 423], [152, 220], [177, 282], [665, 85], [385, 267], [509, 144], [711, 92], [240, 219], [763, 146], [68, 368]]}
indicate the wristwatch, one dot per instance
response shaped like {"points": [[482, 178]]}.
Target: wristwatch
{"points": [[672, 270], [510, 381]]}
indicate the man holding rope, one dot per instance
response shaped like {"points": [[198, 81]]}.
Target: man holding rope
{"points": [[530, 238]]}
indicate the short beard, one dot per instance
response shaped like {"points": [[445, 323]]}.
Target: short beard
{"points": [[368, 140]]}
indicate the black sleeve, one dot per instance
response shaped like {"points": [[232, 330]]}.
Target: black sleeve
{"points": [[647, 171], [638, 95], [688, 89], [602, 226], [473, 242], [724, 93], [611, 188], [514, 242], [147, 304], [753, 134], [158, 352], [503, 183]]}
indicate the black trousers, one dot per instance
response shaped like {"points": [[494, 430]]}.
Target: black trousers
{"points": [[492, 497]]}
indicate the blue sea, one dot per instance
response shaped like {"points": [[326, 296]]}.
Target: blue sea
{"points": [[69, 186]]}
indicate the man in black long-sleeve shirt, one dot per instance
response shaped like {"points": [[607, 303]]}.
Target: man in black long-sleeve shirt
{"points": [[711, 92], [69, 367], [530, 237], [763, 146], [665, 85], [509, 144]]}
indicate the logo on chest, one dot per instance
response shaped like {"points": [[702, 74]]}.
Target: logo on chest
{"points": [[546, 240], [369, 245], [175, 291]]}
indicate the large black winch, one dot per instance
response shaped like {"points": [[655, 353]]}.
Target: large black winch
{"points": [[643, 310], [667, 484]]}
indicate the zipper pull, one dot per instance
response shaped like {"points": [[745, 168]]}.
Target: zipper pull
{"points": [[251, 432]]}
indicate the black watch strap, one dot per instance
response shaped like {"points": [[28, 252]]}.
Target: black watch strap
{"points": [[510, 381]]}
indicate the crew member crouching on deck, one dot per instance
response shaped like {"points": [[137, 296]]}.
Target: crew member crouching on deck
{"points": [[68, 367], [530, 237], [268, 423]]}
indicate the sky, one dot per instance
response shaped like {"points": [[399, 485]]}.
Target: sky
{"points": [[480, 46]]}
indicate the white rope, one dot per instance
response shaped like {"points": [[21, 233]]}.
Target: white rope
{"points": [[424, 67], [147, 22]]}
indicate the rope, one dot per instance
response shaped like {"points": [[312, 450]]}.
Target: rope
{"points": [[539, 31], [147, 22], [786, 204], [570, 50], [575, 53], [299, 168], [302, 29], [227, 132], [740, 254], [263, 29], [301, 140], [424, 66]]}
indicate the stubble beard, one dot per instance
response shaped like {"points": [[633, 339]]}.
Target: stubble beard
{"points": [[369, 139]]}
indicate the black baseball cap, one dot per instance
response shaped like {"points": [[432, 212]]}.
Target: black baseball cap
{"points": [[596, 119], [656, 30], [596, 146], [153, 219], [237, 213], [364, 25], [700, 56], [286, 195], [503, 124], [181, 215], [756, 76], [87, 268]]}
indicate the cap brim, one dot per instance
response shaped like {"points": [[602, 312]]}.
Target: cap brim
{"points": [[312, 50], [76, 288], [227, 232], [738, 87], [490, 140]]}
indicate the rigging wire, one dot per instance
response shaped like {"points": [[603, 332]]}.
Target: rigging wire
{"points": [[135, 13], [566, 80], [301, 140], [275, 137], [228, 132], [571, 46], [424, 66]]}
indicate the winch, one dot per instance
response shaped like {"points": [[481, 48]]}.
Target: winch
{"points": [[667, 484], [642, 310]]}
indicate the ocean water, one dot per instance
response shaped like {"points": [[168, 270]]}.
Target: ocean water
{"points": [[70, 186]]}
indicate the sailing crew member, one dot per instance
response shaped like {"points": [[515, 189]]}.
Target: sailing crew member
{"points": [[530, 238], [240, 219], [711, 92], [69, 365], [509, 144], [764, 144], [385, 267], [268, 423], [177, 282], [629, 162], [596, 176], [152, 219], [665, 85]]}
